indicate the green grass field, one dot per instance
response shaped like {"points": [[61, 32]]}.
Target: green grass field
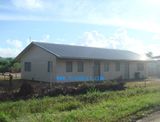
{"points": [[134, 102]]}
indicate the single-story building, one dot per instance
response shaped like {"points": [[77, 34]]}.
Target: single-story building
{"points": [[154, 67], [64, 63]]}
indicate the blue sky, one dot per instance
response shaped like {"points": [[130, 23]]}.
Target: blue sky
{"points": [[119, 24]]}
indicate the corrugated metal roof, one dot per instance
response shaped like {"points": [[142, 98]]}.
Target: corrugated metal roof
{"points": [[156, 57], [81, 52]]}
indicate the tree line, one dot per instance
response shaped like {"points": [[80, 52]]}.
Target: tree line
{"points": [[9, 65]]}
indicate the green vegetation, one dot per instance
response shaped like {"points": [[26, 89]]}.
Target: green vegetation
{"points": [[93, 106], [9, 65]]}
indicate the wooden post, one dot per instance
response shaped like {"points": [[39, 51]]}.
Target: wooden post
{"points": [[10, 81], [145, 82]]}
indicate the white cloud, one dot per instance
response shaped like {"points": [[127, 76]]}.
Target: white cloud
{"points": [[9, 52], [93, 39], [137, 14], [23, 17], [119, 40], [14, 43], [28, 4], [152, 2], [45, 38], [156, 37], [13, 47]]}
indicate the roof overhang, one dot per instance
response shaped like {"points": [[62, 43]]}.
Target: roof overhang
{"points": [[23, 52]]}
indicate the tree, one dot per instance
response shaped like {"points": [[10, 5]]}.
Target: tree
{"points": [[4, 66], [16, 67], [9, 65], [149, 54]]}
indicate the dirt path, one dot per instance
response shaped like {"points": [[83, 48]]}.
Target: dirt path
{"points": [[154, 117]]}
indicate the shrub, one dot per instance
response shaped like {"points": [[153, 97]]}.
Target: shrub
{"points": [[68, 106], [3, 117], [26, 90], [82, 88], [92, 90], [110, 86]]}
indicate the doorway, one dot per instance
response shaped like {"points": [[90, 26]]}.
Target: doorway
{"points": [[96, 70]]}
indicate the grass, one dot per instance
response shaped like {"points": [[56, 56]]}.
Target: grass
{"points": [[91, 107]]}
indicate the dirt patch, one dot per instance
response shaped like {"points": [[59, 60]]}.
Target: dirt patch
{"points": [[45, 89], [9, 93], [154, 117]]}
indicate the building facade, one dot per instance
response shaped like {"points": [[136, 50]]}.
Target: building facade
{"points": [[64, 63]]}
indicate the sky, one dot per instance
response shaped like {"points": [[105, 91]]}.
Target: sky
{"points": [[116, 24]]}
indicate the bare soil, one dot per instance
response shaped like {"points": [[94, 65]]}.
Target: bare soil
{"points": [[154, 117]]}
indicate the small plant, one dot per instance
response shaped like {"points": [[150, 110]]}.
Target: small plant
{"points": [[68, 106], [3, 117], [26, 89], [92, 90]]}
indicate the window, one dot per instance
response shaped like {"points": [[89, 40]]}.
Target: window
{"points": [[117, 66], [106, 67], [140, 66], [80, 66], [27, 66], [69, 66], [50, 66]]}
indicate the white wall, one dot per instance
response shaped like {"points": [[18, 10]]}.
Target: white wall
{"points": [[133, 68], [39, 62], [154, 69], [112, 73], [61, 70], [88, 69]]}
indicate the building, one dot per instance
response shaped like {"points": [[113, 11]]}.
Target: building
{"points": [[154, 67], [65, 63]]}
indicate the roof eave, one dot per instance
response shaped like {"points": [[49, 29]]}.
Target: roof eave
{"points": [[28, 47], [84, 58], [19, 56], [47, 50]]}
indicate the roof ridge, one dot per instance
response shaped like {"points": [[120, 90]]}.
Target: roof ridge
{"points": [[84, 52], [84, 46], [35, 43]]}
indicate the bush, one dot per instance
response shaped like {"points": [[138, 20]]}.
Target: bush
{"points": [[26, 90], [110, 86], [3, 117], [68, 106], [82, 88]]}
